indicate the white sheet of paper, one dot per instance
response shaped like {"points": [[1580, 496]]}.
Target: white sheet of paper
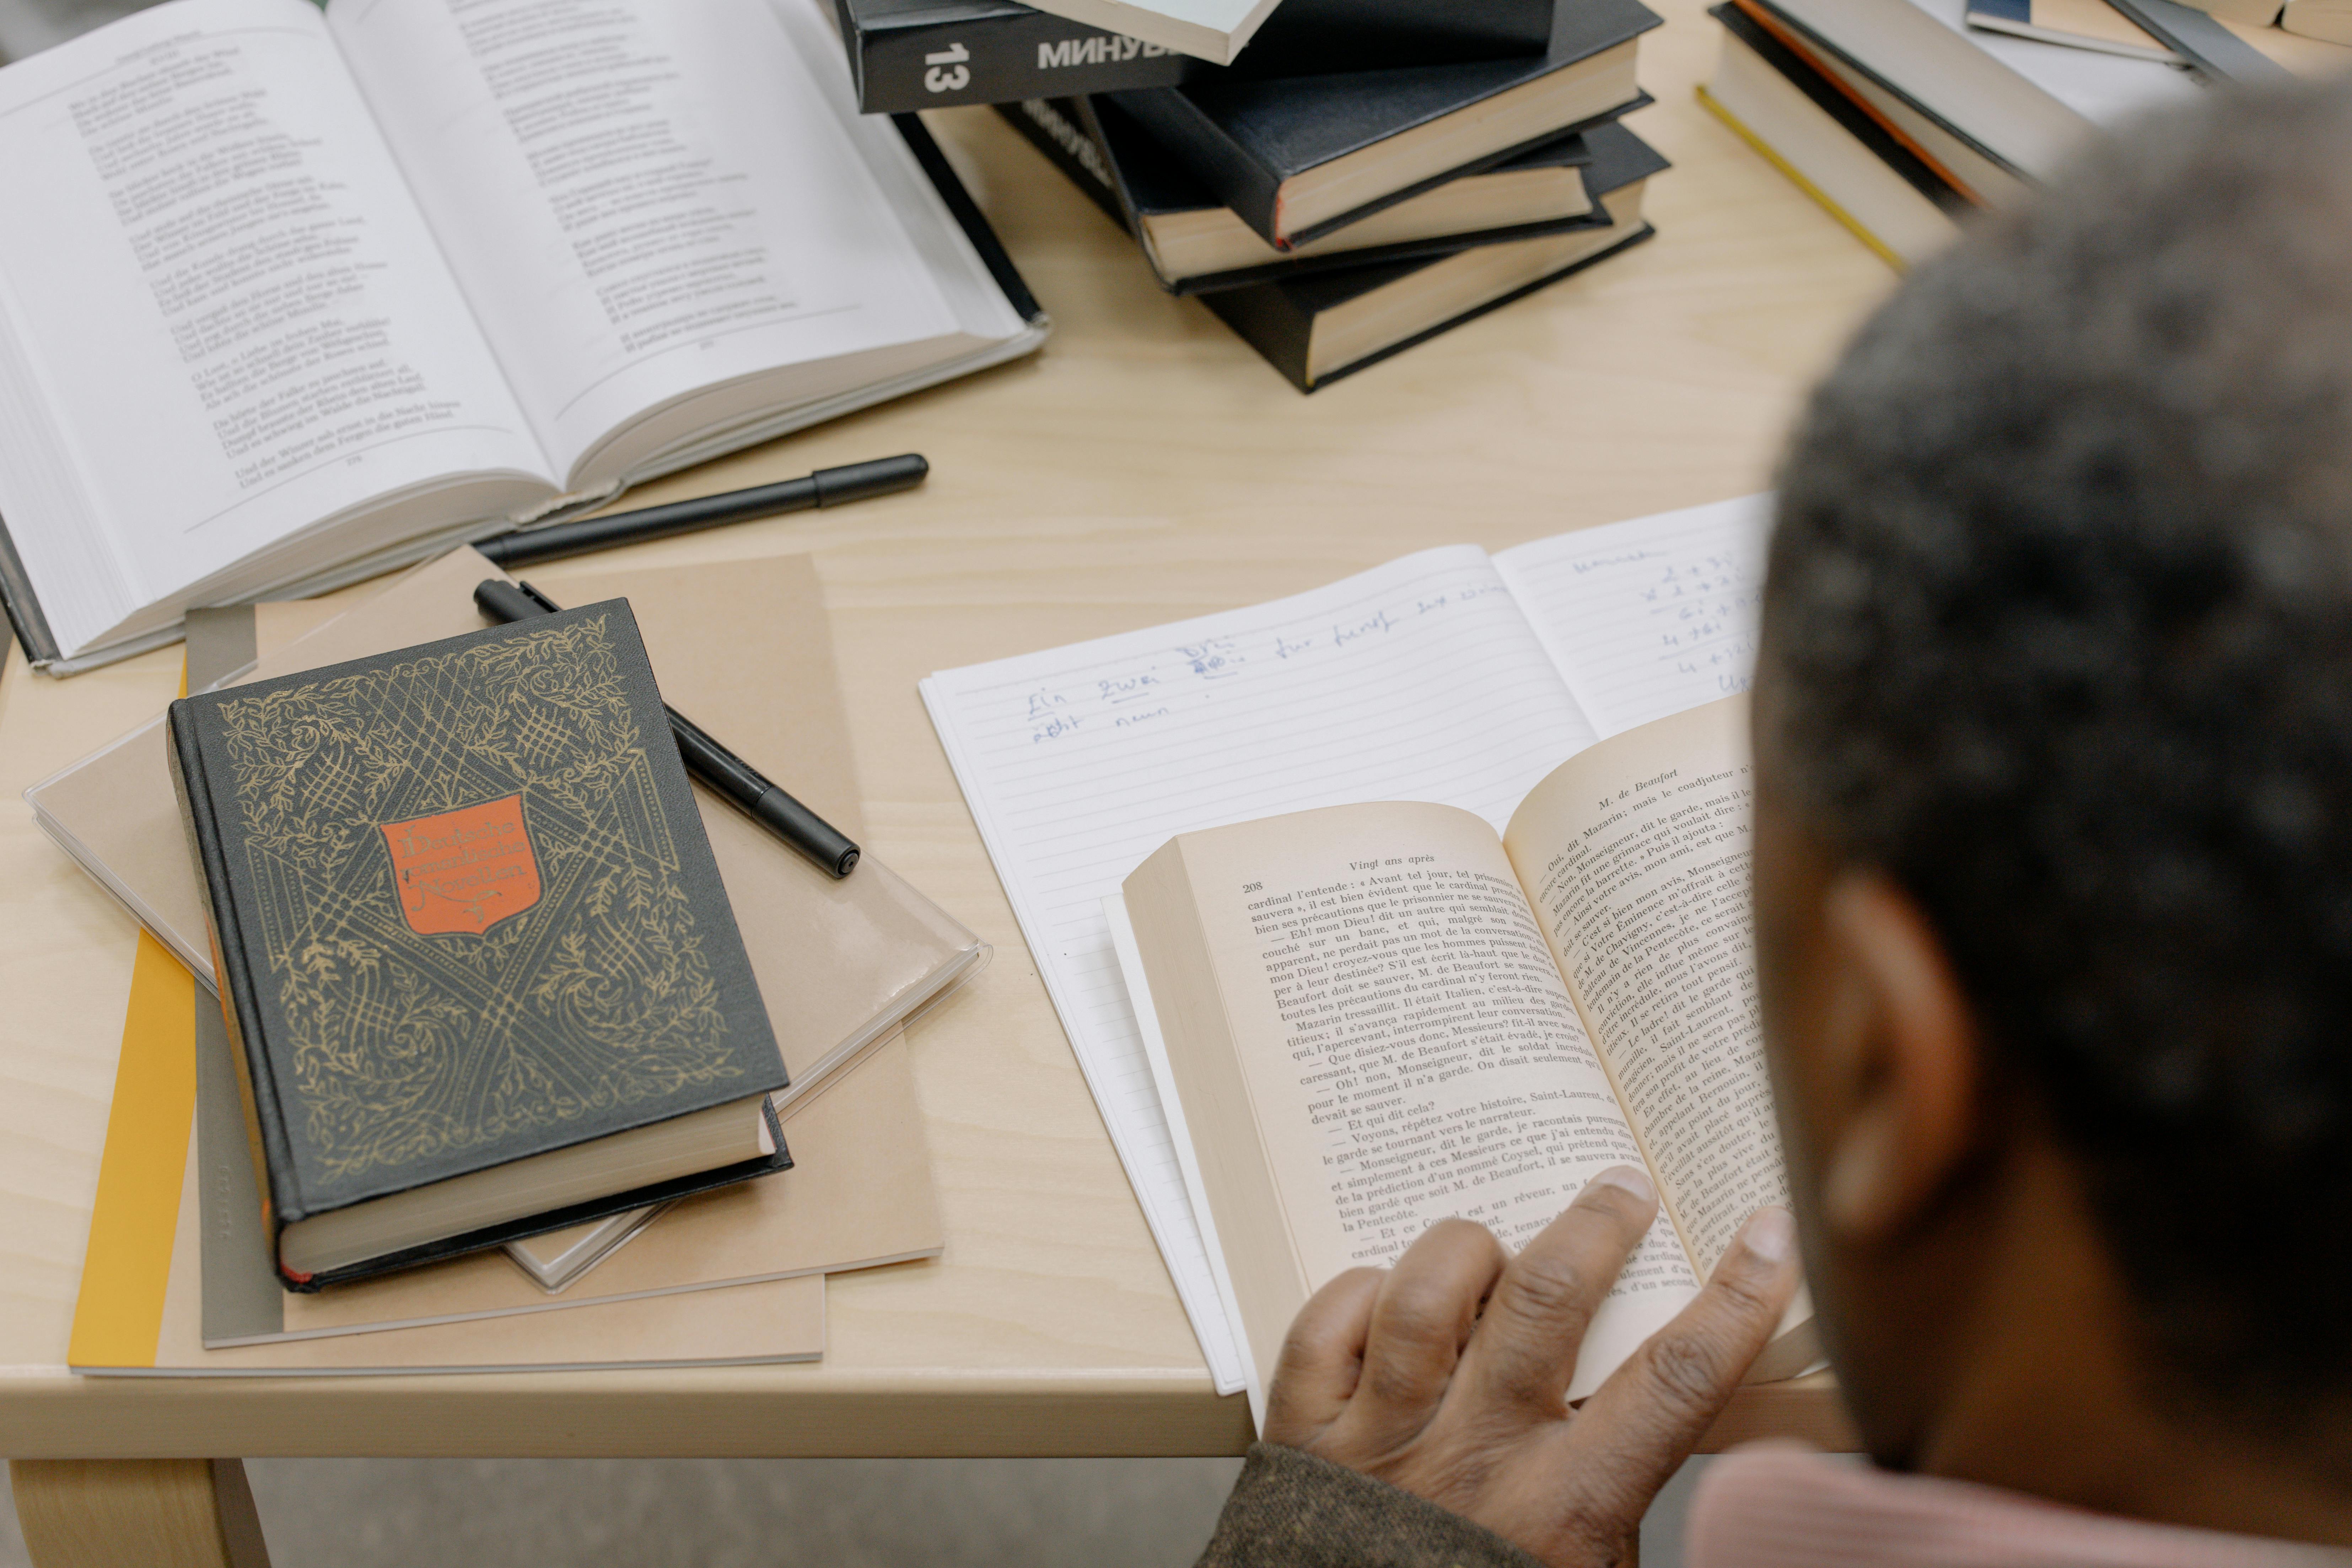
{"points": [[1221, 1336], [1439, 677], [1648, 617]]}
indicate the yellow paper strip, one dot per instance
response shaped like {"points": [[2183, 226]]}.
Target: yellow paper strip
{"points": [[1714, 107], [120, 1311], [118, 1314]]}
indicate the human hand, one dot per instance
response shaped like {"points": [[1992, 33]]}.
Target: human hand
{"points": [[1447, 1375]]}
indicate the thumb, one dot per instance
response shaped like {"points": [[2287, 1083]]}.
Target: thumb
{"points": [[1643, 1422]]}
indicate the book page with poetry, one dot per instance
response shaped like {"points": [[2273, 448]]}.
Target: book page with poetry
{"points": [[1408, 1049], [229, 303], [1636, 856], [642, 199]]}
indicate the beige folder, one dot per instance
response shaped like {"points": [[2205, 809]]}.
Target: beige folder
{"points": [[780, 1320]]}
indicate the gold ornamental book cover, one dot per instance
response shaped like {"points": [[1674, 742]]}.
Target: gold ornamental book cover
{"points": [[464, 912]]}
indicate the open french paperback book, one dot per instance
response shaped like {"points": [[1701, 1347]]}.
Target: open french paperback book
{"points": [[290, 295], [1370, 1017], [1497, 692]]}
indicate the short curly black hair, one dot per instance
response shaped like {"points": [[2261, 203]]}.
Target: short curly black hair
{"points": [[2058, 633]]}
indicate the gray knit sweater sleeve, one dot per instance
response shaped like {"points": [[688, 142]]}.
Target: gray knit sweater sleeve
{"points": [[1291, 1510]]}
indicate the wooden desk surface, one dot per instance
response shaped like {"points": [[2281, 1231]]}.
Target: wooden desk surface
{"points": [[1146, 467]]}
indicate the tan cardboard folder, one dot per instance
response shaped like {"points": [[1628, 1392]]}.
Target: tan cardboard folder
{"points": [[859, 1194]]}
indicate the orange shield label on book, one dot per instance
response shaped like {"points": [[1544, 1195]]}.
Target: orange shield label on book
{"points": [[464, 870]]}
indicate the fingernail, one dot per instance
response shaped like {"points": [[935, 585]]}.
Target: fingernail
{"points": [[1628, 1178], [1771, 1234]]}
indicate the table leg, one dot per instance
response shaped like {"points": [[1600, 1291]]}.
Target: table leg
{"points": [[137, 1513]]}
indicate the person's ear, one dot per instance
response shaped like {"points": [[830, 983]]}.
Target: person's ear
{"points": [[1901, 1056]]}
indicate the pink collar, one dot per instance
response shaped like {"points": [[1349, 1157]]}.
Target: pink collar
{"points": [[1781, 1507]]}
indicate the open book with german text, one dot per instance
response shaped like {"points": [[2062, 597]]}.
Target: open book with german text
{"points": [[290, 295], [1377, 1015]]}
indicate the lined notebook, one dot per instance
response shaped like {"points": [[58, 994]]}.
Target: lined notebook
{"points": [[1443, 677]]}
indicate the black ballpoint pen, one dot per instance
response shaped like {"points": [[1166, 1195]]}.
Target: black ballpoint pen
{"points": [[826, 487], [744, 785]]}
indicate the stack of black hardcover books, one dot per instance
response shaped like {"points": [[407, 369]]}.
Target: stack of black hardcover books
{"points": [[1370, 173]]}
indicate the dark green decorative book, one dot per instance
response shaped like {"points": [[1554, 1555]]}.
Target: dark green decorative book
{"points": [[475, 954]]}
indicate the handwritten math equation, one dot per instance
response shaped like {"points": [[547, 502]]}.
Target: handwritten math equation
{"points": [[1704, 614]]}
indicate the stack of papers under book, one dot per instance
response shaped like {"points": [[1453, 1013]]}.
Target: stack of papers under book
{"points": [[181, 1279], [1335, 219]]}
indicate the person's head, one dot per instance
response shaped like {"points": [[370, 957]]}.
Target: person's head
{"points": [[2055, 737]]}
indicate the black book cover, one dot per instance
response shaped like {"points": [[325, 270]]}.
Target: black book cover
{"points": [[1245, 137], [1831, 100], [1278, 318], [463, 912], [22, 607], [1058, 127], [969, 217], [1114, 163], [1150, 183], [1617, 159], [906, 55]]}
